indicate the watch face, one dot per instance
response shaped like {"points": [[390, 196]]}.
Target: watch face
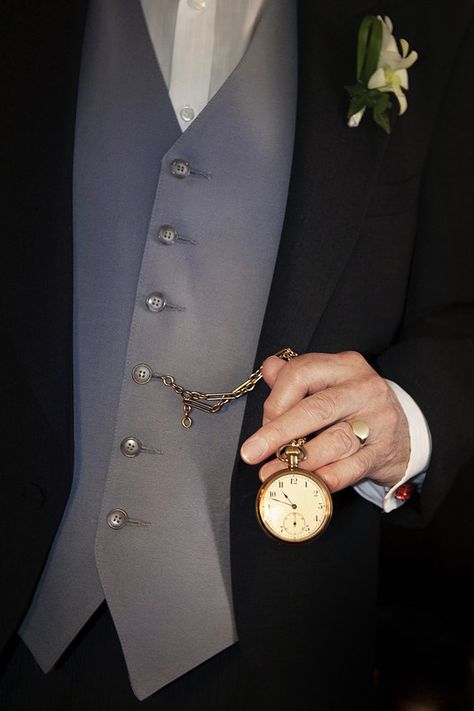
{"points": [[294, 505]]}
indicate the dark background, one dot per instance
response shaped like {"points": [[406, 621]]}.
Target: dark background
{"points": [[425, 658]]}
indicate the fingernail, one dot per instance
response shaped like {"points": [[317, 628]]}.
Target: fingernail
{"points": [[265, 420], [253, 449]]}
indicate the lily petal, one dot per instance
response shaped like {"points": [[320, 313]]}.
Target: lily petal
{"points": [[388, 22], [402, 100], [393, 60], [402, 74], [355, 119], [377, 79], [411, 59], [405, 47], [388, 41], [388, 58], [406, 62]]}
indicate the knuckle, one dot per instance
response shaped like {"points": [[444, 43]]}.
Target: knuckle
{"points": [[303, 367], [306, 359], [378, 386], [364, 462], [343, 440], [353, 358], [274, 433], [300, 369], [336, 480], [390, 418], [320, 406], [295, 364], [271, 409], [388, 456]]}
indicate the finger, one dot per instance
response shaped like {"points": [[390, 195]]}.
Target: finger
{"points": [[308, 374], [270, 369], [347, 472], [307, 416], [335, 443]]}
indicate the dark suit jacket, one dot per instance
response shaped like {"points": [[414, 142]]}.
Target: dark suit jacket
{"points": [[376, 256]]}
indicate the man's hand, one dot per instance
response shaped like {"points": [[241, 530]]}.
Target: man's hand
{"points": [[320, 392]]}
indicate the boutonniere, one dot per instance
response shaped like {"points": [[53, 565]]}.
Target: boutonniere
{"points": [[381, 70]]}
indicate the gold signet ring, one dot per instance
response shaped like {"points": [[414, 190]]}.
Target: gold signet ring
{"points": [[360, 429]]}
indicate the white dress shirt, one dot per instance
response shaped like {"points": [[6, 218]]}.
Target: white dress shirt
{"points": [[198, 43], [210, 38]]}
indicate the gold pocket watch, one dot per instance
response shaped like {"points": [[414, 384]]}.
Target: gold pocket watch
{"points": [[293, 505]]}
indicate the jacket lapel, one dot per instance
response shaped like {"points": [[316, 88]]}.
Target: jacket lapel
{"points": [[335, 169]]}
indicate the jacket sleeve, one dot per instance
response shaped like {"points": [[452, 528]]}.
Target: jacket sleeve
{"points": [[433, 357]]}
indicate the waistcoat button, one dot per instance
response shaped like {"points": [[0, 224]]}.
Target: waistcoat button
{"points": [[180, 168], [142, 374], [155, 302], [130, 446], [167, 234], [117, 518]]}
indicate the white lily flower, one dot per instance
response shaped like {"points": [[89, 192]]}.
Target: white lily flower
{"points": [[391, 73]]}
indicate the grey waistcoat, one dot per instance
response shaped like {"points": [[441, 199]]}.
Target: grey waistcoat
{"points": [[165, 574]]}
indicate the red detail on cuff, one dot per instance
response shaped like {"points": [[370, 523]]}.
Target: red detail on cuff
{"points": [[404, 492]]}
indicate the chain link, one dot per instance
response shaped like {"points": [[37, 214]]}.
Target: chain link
{"points": [[194, 399]]}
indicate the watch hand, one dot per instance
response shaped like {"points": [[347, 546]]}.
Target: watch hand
{"points": [[282, 502], [291, 503]]}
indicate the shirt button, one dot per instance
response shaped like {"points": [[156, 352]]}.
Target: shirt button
{"points": [[142, 374], [167, 234], [197, 4], [130, 447], [187, 113], [117, 518], [155, 302], [180, 168]]}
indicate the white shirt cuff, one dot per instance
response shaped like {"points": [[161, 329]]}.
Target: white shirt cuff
{"points": [[420, 454]]}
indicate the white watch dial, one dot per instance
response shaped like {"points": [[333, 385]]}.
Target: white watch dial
{"points": [[294, 505]]}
